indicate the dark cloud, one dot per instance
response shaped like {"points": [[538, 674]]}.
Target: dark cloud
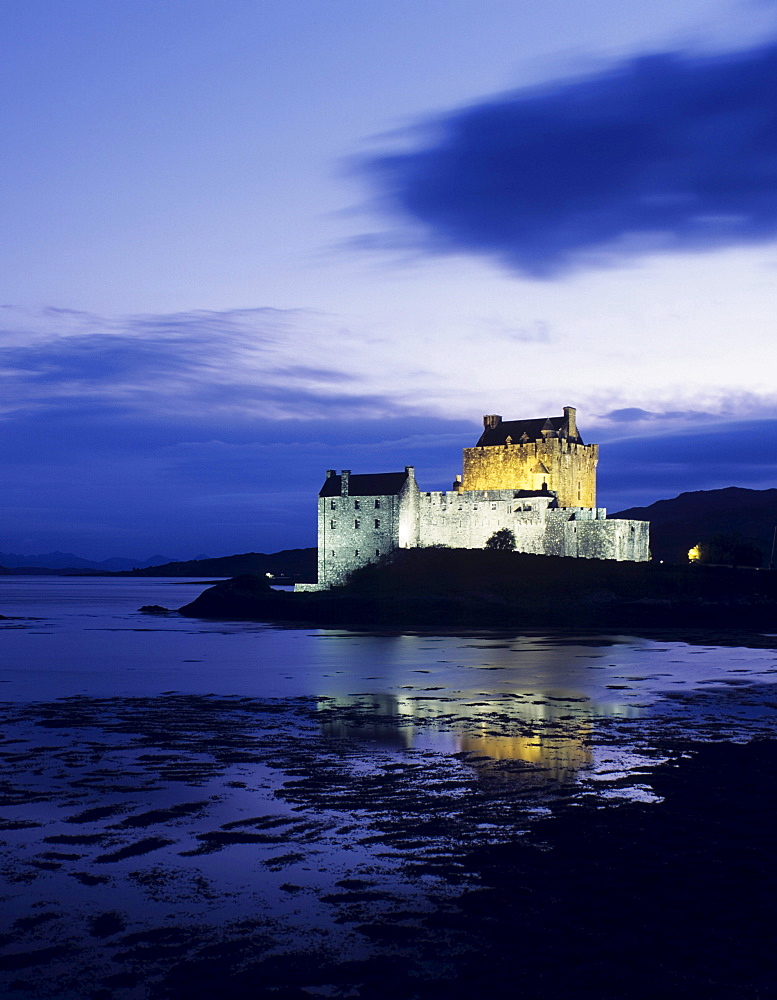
{"points": [[187, 433], [636, 415], [639, 470], [212, 432], [106, 480], [666, 151], [113, 478]]}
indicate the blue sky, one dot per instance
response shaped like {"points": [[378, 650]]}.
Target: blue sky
{"points": [[245, 242]]}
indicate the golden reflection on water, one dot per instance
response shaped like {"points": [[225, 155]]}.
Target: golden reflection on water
{"points": [[550, 734], [553, 758]]}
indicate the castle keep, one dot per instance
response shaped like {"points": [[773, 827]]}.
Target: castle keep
{"points": [[534, 455], [535, 477]]}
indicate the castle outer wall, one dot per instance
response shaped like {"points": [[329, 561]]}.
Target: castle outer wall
{"points": [[467, 521]]}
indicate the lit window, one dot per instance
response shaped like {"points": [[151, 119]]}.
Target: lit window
{"points": [[377, 523], [357, 523]]}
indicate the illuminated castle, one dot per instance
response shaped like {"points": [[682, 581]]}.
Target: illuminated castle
{"points": [[535, 477]]}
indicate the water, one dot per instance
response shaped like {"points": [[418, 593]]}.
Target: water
{"points": [[176, 789]]}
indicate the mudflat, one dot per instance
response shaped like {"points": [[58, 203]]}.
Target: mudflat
{"points": [[177, 846]]}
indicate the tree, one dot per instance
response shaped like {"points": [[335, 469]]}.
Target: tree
{"points": [[729, 550], [501, 541]]}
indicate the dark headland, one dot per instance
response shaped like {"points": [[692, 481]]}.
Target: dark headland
{"points": [[449, 588]]}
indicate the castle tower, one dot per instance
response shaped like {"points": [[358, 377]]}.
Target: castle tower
{"points": [[540, 454]]}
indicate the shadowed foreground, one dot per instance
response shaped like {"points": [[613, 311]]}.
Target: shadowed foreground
{"points": [[600, 900], [453, 588]]}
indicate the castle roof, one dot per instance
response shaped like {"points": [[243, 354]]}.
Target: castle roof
{"points": [[497, 433], [377, 484]]}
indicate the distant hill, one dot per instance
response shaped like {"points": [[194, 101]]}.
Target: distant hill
{"points": [[67, 560], [298, 565], [692, 518]]}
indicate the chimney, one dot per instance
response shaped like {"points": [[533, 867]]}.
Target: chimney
{"points": [[345, 475], [410, 470], [458, 486], [491, 420], [330, 473], [570, 416]]}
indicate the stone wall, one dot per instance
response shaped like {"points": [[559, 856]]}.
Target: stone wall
{"points": [[353, 531], [467, 521], [356, 530], [565, 467]]}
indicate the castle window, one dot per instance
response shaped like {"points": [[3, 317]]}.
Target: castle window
{"points": [[377, 523], [357, 523], [377, 505], [357, 552], [332, 505], [333, 525], [377, 552], [356, 505]]}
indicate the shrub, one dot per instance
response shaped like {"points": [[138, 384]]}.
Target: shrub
{"points": [[502, 540]]}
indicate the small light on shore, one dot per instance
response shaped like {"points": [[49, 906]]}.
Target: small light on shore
{"points": [[693, 554]]}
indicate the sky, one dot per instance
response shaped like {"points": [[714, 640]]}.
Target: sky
{"points": [[245, 242]]}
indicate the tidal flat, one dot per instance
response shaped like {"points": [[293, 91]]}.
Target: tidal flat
{"points": [[190, 808]]}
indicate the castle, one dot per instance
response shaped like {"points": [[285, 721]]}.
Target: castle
{"points": [[535, 477]]}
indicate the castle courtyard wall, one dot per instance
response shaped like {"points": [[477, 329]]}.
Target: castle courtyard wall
{"points": [[467, 521]]}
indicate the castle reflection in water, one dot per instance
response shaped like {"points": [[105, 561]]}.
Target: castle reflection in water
{"points": [[549, 737]]}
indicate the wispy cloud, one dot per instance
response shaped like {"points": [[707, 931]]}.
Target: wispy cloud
{"points": [[667, 151], [265, 362]]}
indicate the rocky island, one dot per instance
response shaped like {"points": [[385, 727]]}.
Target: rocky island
{"points": [[448, 588]]}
